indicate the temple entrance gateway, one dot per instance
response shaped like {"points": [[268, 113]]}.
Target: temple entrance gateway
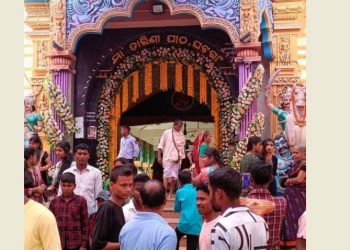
{"points": [[182, 68]]}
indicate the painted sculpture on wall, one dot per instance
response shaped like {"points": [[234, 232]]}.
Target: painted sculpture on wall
{"points": [[296, 120], [32, 120], [284, 160], [284, 109], [292, 113], [292, 119]]}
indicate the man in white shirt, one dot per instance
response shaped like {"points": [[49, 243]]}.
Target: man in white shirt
{"points": [[130, 208], [171, 150], [209, 215], [88, 178], [237, 228], [129, 149]]}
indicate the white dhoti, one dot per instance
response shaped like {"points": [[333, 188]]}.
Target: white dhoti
{"points": [[171, 170], [172, 152]]}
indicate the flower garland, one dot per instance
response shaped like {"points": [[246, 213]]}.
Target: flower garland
{"points": [[148, 79], [178, 77], [58, 100], [148, 55], [247, 96], [190, 84], [135, 82], [256, 127], [52, 132]]}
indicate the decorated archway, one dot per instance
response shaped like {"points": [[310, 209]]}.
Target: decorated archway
{"points": [[84, 17], [195, 65]]}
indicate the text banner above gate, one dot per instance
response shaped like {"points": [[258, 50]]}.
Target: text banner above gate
{"points": [[167, 39]]}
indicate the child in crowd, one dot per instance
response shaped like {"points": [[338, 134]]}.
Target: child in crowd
{"points": [[71, 213], [190, 221]]}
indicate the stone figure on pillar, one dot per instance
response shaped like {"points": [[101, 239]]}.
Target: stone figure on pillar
{"points": [[296, 121], [292, 115], [32, 120]]}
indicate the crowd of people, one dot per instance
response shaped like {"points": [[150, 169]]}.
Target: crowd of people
{"points": [[126, 211]]}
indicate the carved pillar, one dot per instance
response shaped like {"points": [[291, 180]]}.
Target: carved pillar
{"points": [[247, 56], [61, 66], [289, 44], [36, 45]]}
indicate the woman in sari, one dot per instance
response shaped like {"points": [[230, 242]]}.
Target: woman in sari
{"points": [[34, 186], [42, 157], [200, 144], [65, 161], [212, 161], [295, 195]]}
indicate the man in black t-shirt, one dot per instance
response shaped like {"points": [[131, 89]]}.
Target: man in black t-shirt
{"points": [[110, 218]]}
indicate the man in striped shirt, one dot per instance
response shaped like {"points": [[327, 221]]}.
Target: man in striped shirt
{"points": [[237, 228]]}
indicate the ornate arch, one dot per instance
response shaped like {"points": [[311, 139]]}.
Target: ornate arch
{"points": [[129, 64], [95, 22]]}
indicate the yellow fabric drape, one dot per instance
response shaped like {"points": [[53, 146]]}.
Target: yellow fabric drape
{"points": [[148, 79], [125, 101], [163, 76], [135, 92], [215, 113], [203, 88], [178, 77], [190, 80]]}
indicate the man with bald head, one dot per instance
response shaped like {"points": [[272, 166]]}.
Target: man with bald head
{"points": [[148, 230]]}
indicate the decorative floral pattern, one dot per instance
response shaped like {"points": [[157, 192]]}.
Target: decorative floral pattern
{"points": [[225, 9], [84, 11], [256, 127], [148, 55], [52, 132], [63, 110], [247, 96]]}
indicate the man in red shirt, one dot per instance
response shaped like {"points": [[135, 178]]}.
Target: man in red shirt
{"points": [[261, 176], [71, 213]]}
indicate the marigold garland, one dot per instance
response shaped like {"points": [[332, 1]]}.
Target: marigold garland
{"points": [[125, 96], [163, 76], [190, 85], [148, 79], [178, 77], [135, 92], [256, 127], [203, 88], [114, 133]]}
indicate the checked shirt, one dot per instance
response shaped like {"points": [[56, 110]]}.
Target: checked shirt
{"points": [[72, 220], [274, 220]]}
